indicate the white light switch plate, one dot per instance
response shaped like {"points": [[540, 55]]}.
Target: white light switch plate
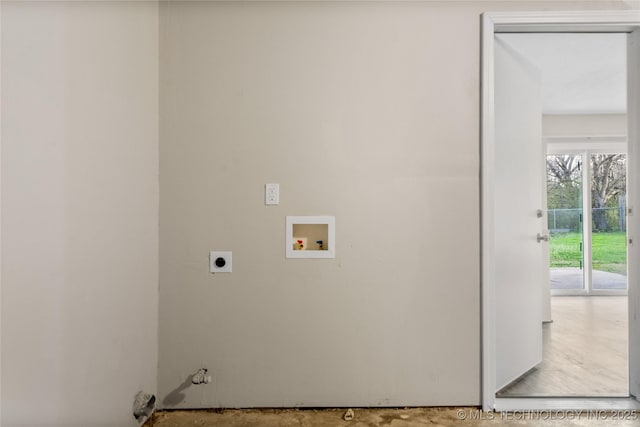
{"points": [[220, 262], [271, 194]]}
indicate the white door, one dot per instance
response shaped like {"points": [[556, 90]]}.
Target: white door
{"points": [[518, 197]]}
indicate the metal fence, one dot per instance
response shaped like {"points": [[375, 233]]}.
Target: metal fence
{"points": [[603, 219]]}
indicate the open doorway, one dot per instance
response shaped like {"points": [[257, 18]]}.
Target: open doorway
{"points": [[509, 257], [582, 84]]}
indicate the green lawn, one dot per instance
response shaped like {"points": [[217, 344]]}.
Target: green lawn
{"points": [[609, 251]]}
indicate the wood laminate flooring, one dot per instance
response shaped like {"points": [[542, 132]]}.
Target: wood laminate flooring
{"points": [[585, 350]]}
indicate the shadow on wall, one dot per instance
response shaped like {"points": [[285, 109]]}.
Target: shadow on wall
{"points": [[176, 396]]}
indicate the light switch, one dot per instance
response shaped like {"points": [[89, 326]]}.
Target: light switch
{"points": [[271, 194]]}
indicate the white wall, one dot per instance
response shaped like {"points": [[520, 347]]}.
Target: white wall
{"points": [[249, 93], [379, 103], [584, 125], [79, 211]]}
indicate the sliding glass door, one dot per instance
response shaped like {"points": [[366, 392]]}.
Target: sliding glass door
{"points": [[565, 221], [587, 223], [608, 221]]}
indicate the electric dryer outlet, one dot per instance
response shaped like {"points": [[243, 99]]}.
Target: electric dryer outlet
{"points": [[220, 262]]}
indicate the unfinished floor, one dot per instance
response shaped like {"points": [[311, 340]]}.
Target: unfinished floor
{"points": [[467, 417], [585, 350]]}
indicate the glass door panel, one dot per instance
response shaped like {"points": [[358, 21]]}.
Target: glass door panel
{"points": [[565, 221], [608, 225]]}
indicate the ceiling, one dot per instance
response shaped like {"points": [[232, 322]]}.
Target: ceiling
{"points": [[581, 73]]}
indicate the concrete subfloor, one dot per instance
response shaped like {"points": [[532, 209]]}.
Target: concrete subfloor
{"points": [[467, 417], [573, 278]]}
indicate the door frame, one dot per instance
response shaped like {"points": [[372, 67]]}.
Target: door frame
{"points": [[569, 22]]}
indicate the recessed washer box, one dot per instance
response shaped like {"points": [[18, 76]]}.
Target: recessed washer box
{"points": [[311, 237], [220, 261]]}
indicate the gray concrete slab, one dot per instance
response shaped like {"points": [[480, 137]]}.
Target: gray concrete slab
{"points": [[572, 278]]}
